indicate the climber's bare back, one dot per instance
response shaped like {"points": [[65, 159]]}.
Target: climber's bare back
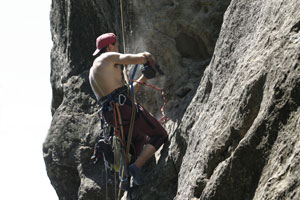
{"points": [[107, 74]]}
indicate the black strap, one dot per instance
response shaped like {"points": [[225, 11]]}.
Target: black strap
{"points": [[114, 95]]}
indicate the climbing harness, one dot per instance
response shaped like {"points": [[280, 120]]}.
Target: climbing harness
{"points": [[121, 144]]}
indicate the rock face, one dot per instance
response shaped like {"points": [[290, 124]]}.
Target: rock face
{"points": [[233, 91]]}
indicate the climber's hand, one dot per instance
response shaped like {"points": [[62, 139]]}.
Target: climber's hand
{"points": [[148, 70]]}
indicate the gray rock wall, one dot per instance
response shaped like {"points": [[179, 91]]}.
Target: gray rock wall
{"points": [[181, 35], [242, 127], [75, 126], [234, 125]]}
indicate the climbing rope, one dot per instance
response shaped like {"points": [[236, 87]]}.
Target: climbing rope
{"points": [[164, 118], [122, 138], [133, 112], [133, 108], [124, 41]]}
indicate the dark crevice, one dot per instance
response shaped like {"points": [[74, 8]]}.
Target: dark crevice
{"points": [[57, 99], [208, 88], [191, 47], [295, 94], [296, 27], [200, 185]]}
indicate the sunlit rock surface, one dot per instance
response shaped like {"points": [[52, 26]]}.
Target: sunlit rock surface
{"points": [[233, 90]]}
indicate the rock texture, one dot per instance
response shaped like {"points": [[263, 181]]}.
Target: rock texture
{"points": [[233, 97], [245, 114]]}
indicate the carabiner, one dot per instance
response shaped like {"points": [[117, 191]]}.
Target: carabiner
{"points": [[121, 103]]}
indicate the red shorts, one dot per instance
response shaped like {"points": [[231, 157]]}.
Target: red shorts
{"points": [[145, 125]]}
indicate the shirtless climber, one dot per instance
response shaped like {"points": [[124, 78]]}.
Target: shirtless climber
{"points": [[107, 84]]}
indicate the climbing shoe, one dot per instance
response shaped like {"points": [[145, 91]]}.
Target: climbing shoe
{"points": [[136, 174]]}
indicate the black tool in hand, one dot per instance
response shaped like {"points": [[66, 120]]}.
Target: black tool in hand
{"points": [[150, 68]]}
